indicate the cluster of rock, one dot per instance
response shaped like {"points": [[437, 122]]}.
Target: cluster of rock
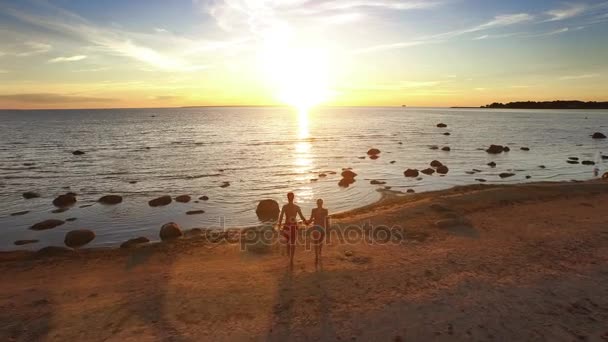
{"points": [[348, 178], [373, 153], [497, 149], [436, 166]]}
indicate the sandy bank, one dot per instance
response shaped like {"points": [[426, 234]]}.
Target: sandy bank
{"points": [[521, 262]]}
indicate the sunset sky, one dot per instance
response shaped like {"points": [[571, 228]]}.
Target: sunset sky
{"points": [[153, 53]]}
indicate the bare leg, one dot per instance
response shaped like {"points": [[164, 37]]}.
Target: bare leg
{"points": [[292, 252]]}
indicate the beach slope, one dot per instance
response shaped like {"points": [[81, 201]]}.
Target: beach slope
{"points": [[521, 262]]}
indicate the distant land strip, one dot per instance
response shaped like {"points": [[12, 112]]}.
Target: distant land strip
{"points": [[547, 105]]}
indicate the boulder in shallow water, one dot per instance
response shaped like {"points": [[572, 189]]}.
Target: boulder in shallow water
{"points": [[525, 148], [434, 147], [78, 238], [195, 212], [183, 199], [443, 170], [20, 213], [492, 164], [348, 174], [442, 125], [170, 231], [346, 182], [110, 199], [436, 163], [78, 153], [204, 198], [24, 242], [30, 195], [598, 135], [447, 133], [134, 242], [64, 201], [268, 210], [481, 180], [411, 173], [506, 175], [428, 171], [225, 185], [572, 162], [47, 224], [377, 182], [161, 201], [588, 162], [373, 152], [495, 149], [446, 148]]}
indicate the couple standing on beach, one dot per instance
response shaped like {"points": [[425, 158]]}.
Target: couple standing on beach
{"points": [[319, 217]]}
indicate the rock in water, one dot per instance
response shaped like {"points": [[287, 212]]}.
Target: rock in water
{"points": [[377, 182], [434, 147], [78, 153], [110, 199], [506, 175], [588, 162], [30, 195], [598, 135], [436, 163], [492, 164], [411, 173], [170, 231], [64, 201], [506, 149], [53, 251], [428, 171], [373, 152], [47, 224], [525, 149], [268, 210], [183, 199], [134, 242], [446, 148], [348, 174], [442, 125], [161, 201], [443, 170], [204, 198], [195, 212], [24, 242], [346, 182], [447, 133], [78, 238], [495, 149]]}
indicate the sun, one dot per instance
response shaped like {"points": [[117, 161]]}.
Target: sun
{"points": [[299, 77]]}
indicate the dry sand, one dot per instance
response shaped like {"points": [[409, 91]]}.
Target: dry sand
{"points": [[512, 263]]}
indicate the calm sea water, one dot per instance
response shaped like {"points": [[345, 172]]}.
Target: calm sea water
{"points": [[263, 153]]}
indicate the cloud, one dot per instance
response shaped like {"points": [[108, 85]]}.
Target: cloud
{"points": [[571, 11], [498, 21], [49, 98], [110, 40], [578, 77], [34, 48], [67, 59]]}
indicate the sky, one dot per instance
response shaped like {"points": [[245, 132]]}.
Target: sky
{"points": [[153, 53]]}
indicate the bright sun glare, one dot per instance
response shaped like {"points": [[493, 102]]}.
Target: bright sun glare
{"points": [[298, 76]]}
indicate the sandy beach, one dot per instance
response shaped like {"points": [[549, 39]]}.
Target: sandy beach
{"points": [[516, 262]]}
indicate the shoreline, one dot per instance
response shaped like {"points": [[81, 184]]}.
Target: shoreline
{"points": [[193, 235], [510, 262]]}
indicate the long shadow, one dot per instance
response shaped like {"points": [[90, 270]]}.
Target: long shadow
{"points": [[283, 310]]}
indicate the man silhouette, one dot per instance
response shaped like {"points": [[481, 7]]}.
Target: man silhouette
{"points": [[290, 229]]}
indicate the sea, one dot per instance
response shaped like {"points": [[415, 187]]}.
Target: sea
{"points": [[262, 153]]}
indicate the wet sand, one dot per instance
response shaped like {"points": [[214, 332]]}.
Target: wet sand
{"points": [[520, 262]]}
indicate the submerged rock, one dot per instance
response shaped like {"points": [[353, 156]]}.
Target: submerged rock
{"points": [[492, 164], [373, 152], [64, 201], [24, 242], [204, 198], [447, 133], [348, 174], [346, 182], [446, 148], [411, 191], [572, 161], [434, 147], [195, 212], [428, 171], [481, 180], [170, 231], [134, 242], [78, 238], [78, 153], [268, 210], [30, 195], [20, 213], [160, 201], [442, 125], [443, 170], [506, 175], [525, 148], [598, 135], [225, 185], [60, 210], [110, 199], [436, 163], [47, 224], [588, 162], [377, 182], [411, 173], [495, 149], [183, 199]]}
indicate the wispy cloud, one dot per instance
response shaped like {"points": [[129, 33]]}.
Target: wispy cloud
{"points": [[498, 21], [49, 98], [578, 77], [34, 48], [571, 11], [67, 59]]}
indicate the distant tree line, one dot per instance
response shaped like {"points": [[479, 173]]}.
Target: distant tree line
{"points": [[550, 105]]}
